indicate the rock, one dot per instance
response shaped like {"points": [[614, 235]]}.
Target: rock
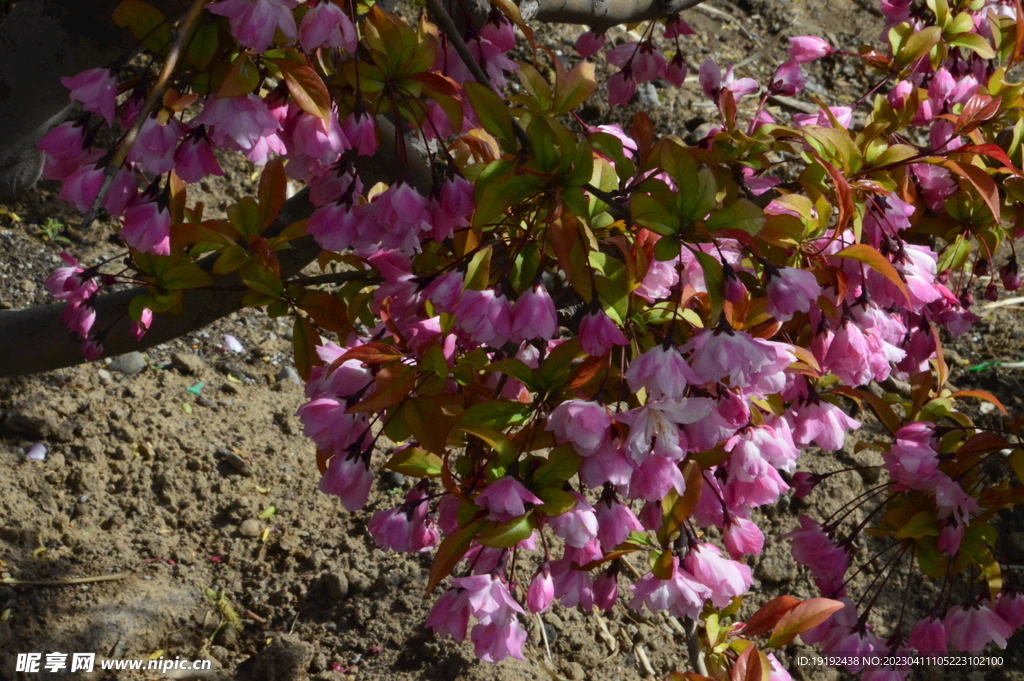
{"points": [[106, 378], [234, 460], [250, 528], [337, 585], [648, 96], [575, 671], [286, 659], [130, 363], [288, 374], [187, 364], [34, 425]]}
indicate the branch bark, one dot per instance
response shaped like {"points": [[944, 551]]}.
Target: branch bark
{"points": [[601, 15]]}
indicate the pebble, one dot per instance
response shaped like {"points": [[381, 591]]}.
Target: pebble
{"points": [[289, 374], [130, 363], [337, 585], [648, 95], [106, 378], [36, 452], [250, 528], [186, 363], [234, 460]]}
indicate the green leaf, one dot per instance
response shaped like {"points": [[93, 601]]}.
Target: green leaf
{"points": [[648, 212], [535, 84], [562, 464], [305, 341], [513, 368], [492, 113], [147, 24], [415, 462], [494, 414], [556, 501], [576, 88], [742, 215], [923, 524], [918, 45], [508, 534], [242, 78], [973, 42], [876, 261], [451, 551], [714, 279], [306, 87], [427, 423], [498, 441], [698, 199]]}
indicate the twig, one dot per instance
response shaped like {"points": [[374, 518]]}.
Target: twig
{"points": [[693, 647], [795, 104], [155, 97], [447, 25], [614, 207], [641, 655], [10, 581]]}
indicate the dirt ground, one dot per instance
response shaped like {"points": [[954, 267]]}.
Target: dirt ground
{"points": [[182, 476]]}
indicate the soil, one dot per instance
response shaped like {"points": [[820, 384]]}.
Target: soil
{"points": [[182, 476]]}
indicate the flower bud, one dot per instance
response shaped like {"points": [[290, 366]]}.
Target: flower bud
{"points": [[541, 591], [991, 292], [966, 300], [1010, 275], [982, 266]]}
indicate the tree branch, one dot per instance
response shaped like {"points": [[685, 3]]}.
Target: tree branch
{"points": [[601, 15]]}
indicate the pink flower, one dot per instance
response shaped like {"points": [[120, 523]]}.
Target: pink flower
{"points": [[661, 276], [713, 81], [804, 484], [572, 587], [147, 227], [504, 499], [485, 316], [534, 315], [822, 423], [742, 536], [406, 529], [92, 349], [494, 642], [590, 43], [1010, 607], [66, 151], [78, 317], [615, 521], [653, 428], [652, 480], [154, 147], [237, 122], [621, 87], [788, 80], [361, 131], [662, 371], [726, 578], [327, 25], [681, 595], [791, 290], [194, 158], [928, 637], [827, 561], [969, 628], [348, 477], [675, 26], [807, 48], [541, 591], [139, 328], [585, 424], [598, 334], [444, 291], [576, 526], [606, 589], [726, 352], [334, 226], [675, 72], [67, 283], [843, 114], [96, 89], [450, 614], [254, 22], [81, 187]]}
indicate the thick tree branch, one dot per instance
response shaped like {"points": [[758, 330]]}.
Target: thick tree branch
{"points": [[601, 15], [34, 339]]}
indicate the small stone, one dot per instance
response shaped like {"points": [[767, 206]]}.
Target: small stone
{"points": [[204, 401], [986, 407], [648, 96], [250, 528], [187, 364], [106, 378], [130, 363], [235, 461], [229, 389], [337, 585], [288, 374], [575, 671]]}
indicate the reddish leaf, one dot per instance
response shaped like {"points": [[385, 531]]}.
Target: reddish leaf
{"points": [[392, 383], [803, 617], [305, 341], [370, 353], [876, 261], [992, 151], [241, 79], [684, 505], [306, 88], [978, 109], [981, 181], [272, 191], [451, 551], [326, 311], [844, 195], [586, 371], [642, 131], [750, 666], [982, 395], [982, 443], [322, 457], [768, 615]]}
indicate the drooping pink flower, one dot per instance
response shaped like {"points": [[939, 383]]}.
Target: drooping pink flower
{"points": [[494, 642], [788, 80], [194, 159], [67, 283], [681, 595], [326, 25], [741, 536], [450, 614], [662, 371], [725, 578], [147, 227], [725, 352], [928, 637], [615, 521], [807, 48], [576, 526], [541, 591], [791, 290], [92, 349], [822, 423], [139, 328], [606, 589], [572, 587], [826, 559], [361, 131], [843, 115], [154, 148], [66, 150], [675, 71], [534, 315], [675, 26], [485, 316], [1010, 607], [78, 316], [96, 89], [348, 477], [713, 81], [969, 628], [254, 22], [406, 529], [583, 423], [590, 43], [237, 122], [598, 334], [621, 88], [653, 479], [504, 499]]}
